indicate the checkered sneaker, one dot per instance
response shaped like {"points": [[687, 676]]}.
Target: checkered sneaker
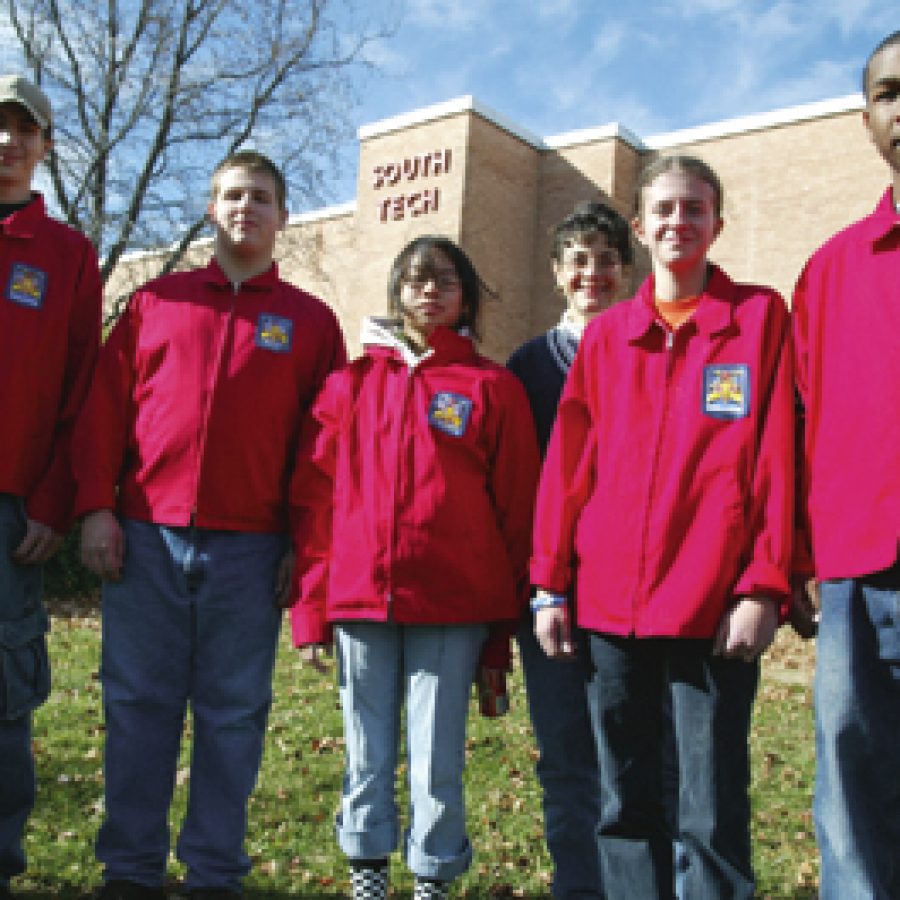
{"points": [[369, 882], [428, 889]]}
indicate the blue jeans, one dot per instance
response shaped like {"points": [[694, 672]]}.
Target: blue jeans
{"points": [[17, 793], [193, 620], [24, 684], [712, 699], [432, 668], [857, 802], [566, 767]]}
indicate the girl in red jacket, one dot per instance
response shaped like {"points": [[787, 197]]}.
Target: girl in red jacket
{"points": [[666, 498], [412, 506]]}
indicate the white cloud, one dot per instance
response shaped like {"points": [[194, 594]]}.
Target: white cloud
{"points": [[780, 22], [456, 16], [557, 9], [384, 56], [700, 8], [826, 78], [878, 17], [610, 39]]}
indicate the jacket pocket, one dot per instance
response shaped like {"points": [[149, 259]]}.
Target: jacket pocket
{"points": [[24, 664]]}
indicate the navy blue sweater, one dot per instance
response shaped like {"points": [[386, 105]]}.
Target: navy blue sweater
{"points": [[541, 365]]}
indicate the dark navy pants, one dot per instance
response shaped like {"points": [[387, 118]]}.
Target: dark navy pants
{"points": [[566, 767], [193, 622], [712, 700], [24, 684]]}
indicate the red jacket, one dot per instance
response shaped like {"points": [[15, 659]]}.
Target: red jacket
{"points": [[49, 336], [846, 322], [198, 399], [413, 496], [667, 488]]}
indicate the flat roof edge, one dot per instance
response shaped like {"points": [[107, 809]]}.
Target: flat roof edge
{"points": [[324, 212], [599, 133], [710, 131], [452, 107], [756, 122]]}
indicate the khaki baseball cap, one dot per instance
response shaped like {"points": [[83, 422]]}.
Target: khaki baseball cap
{"points": [[16, 89]]}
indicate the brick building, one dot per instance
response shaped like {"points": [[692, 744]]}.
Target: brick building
{"points": [[791, 178]]}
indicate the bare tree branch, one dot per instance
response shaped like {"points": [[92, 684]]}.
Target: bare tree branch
{"points": [[149, 94]]}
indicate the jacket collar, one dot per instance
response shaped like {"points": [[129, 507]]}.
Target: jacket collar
{"points": [[381, 336], [24, 222], [714, 314], [883, 220], [265, 281]]}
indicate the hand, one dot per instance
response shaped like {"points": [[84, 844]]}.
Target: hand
{"points": [[804, 612], [747, 628], [553, 631], [314, 655], [284, 578], [103, 544], [493, 698], [494, 679], [38, 545]]}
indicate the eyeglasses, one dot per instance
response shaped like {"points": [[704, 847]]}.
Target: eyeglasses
{"points": [[441, 282], [603, 259]]}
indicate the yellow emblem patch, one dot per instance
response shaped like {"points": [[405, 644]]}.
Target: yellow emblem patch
{"points": [[726, 391], [27, 285]]}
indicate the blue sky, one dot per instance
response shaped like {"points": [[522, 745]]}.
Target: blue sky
{"points": [[654, 66]]}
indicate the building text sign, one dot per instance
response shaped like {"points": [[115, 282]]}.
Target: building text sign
{"points": [[417, 200]]}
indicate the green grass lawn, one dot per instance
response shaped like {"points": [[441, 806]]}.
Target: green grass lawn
{"points": [[291, 815]]}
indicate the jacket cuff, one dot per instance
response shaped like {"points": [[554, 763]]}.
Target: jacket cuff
{"points": [[53, 509], [764, 579], [309, 628], [802, 564], [549, 574], [88, 500]]}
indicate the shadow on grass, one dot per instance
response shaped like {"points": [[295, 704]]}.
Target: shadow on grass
{"points": [[87, 604]]}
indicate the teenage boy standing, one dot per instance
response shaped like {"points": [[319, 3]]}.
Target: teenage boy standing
{"points": [[182, 458], [846, 322], [49, 336]]}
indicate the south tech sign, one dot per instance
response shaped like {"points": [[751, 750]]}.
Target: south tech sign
{"points": [[415, 199]]}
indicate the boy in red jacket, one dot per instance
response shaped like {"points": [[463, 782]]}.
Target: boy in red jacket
{"points": [[183, 454], [49, 336], [846, 323]]}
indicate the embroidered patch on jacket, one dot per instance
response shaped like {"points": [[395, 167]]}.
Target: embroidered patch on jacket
{"points": [[274, 333], [726, 391], [27, 285], [450, 413]]}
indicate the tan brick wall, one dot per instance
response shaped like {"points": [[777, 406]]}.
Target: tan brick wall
{"points": [[497, 231], [318, 256]]}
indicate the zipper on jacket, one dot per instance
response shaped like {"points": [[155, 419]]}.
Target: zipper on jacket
{"points": [[211, 393], [654, 471], [401, 419]]}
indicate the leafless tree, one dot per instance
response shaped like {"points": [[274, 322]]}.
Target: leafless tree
{"points": [[149, 94]]}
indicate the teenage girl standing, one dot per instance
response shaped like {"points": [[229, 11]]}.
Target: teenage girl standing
{"points": [[667, 496], [413, 501]]}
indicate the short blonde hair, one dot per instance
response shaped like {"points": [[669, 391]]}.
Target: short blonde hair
{"points": [[251, 161]]}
